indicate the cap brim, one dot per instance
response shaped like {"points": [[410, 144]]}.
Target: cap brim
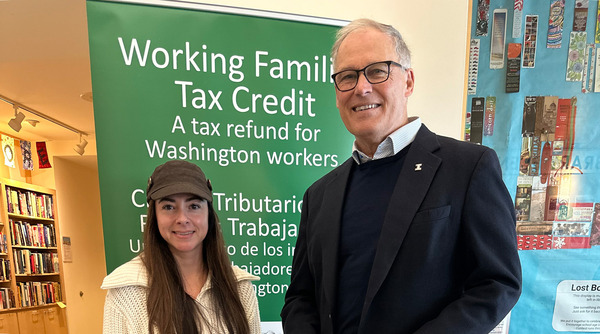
{"points": [[181, 188]]}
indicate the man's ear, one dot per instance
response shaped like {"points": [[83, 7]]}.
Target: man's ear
{"points": [[410, 82]]}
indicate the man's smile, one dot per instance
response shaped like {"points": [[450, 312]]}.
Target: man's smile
{"points": [[365, 107]]}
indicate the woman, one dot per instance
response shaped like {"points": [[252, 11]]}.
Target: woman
{"points": [[183, 281]]}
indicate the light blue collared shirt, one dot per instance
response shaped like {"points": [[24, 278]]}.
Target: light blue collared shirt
{"points": [[393, 144]]}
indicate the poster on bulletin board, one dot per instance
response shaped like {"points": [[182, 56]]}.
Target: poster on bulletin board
{"points": [[539, 107], [243, 94]]}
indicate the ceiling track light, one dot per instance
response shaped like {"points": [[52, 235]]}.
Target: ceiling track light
{"points": [[15, 123], [80, 148], [32, 122]]}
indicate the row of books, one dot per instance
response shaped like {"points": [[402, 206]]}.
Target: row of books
{"points": [[38, 293], [29, 203], [32, 235], [34, 263], [4, 269], [3, 243], [7, 298]]}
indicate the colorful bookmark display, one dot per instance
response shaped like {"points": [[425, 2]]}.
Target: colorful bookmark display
{"points": [[570, 242], [483, 9], [534, 227], [557, 152], [580, 15], [551, 202], [529, 116], [535, 151], [473, 67], [498, 39], [563, 117], [534, 242], [517, 19], [588, 71], [468, 125], [584, 76], [530, 41], [545, 118], [546, 163], [477, 110], [565, 130], [490, 115], [555, 24], [597, 38], [525, 163], [576, 57], [595, 234], [523, 201], [578, 212], [592, 66], [513, 67], [597, 74], [570, 143], [538, 202]]}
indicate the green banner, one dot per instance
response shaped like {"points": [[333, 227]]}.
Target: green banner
{"points": [[247, 98]]}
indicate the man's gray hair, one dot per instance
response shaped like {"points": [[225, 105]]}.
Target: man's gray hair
{"points": [[401, 49]]}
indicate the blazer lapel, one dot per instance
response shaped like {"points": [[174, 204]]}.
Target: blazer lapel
{"points": [[411, 187], [333, 199]]}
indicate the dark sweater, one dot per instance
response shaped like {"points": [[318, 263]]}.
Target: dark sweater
{"points": [[368, 193]]}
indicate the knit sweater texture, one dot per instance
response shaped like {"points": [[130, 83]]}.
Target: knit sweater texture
{"points": [[125, 305]]}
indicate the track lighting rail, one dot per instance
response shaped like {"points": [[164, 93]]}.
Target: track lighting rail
{"points": [[41, 115]]}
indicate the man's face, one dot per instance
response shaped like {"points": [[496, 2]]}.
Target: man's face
{"points": [[372, 111]]}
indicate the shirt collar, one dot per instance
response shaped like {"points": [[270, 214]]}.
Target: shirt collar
{"points": [[391, 145]]}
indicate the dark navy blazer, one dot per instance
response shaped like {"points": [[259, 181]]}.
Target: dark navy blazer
{"points": [[447, 257]]}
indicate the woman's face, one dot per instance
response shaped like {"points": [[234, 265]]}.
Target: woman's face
{"points": [[183, 223]]}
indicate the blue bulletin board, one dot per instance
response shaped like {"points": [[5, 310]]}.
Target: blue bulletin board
{"points": [[538, 105]]}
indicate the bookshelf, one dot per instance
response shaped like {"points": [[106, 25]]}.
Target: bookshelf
{"points": [[31, 269]]}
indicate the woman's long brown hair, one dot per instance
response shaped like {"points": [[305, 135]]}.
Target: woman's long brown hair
{"points": [[170, 308]]}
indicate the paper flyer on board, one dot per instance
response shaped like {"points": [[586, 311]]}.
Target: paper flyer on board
{"points": [[577, 306]]}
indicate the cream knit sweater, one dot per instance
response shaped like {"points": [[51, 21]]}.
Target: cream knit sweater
{"points": [[125, 305]]}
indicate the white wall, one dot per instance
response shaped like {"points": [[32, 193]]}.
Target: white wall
{"points": [[78, 199], [436, 33]]}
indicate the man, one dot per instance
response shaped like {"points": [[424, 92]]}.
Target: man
{"points": [[413, 234]]}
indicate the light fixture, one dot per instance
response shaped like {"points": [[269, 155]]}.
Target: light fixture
{"points": [[32, 122], [80, 148], [15, 123], [87, 96]]}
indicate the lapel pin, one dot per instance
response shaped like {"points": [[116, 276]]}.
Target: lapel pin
{"points": [[418, 166]]}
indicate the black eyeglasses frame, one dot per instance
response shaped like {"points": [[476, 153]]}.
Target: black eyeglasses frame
{"points": [[388, 62]]}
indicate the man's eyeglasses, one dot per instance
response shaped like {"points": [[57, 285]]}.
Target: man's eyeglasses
{"points": [[374, 73]]}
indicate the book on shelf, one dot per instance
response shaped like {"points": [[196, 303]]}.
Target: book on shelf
{"points": [[29, 203], [3, 243], [7, 298], [4, 269], [38, 293], [55, 262], [32, 235], [35, 263], [23, 204]]}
